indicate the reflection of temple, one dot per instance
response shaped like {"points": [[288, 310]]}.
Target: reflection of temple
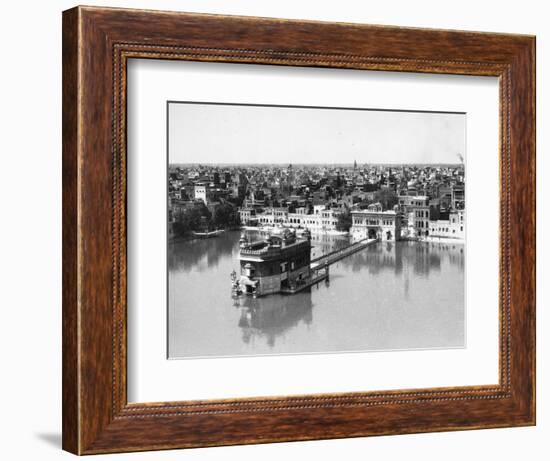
{"points": [[271, 316]]}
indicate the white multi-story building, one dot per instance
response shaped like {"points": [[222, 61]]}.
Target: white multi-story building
{"points": [[248, 216], [321, 220], [452, 228], [201, 192], [418, 221], [416, 210], [375, 223], [273, 216], [324, 221]]}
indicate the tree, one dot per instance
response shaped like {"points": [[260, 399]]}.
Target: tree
{"points": [[191, 219], [225, 216], [344, 221], [180, 227], [386, 197], [204, 212], [186, 221]]}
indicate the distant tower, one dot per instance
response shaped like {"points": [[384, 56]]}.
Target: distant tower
{"points": [[290, 174], [355, 164]]}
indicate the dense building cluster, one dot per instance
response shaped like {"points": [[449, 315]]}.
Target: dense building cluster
{"points": [[388, 202]]}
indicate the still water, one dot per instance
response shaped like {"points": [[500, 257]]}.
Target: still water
{"points": [[403, 295]]}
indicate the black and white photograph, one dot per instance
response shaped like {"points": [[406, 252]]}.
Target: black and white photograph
{"points": [[311, 230]]}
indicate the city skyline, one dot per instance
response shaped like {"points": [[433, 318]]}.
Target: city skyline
{"points": [[209, 133]]}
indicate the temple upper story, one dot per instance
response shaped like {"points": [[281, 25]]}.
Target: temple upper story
{"points": [[278, 243]]}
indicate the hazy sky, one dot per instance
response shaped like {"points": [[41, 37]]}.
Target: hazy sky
{"points": [[213, 133]]}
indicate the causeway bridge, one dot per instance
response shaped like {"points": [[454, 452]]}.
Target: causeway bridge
{"points": [[320, 265], [336, 255]]}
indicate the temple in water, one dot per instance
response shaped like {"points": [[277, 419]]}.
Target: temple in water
{"points": [[277, 263]]}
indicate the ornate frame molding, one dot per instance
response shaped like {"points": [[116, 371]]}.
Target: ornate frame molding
{"points": [[97, 45]]}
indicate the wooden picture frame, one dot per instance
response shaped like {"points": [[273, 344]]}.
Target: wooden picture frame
{"points": [[97, 43]]}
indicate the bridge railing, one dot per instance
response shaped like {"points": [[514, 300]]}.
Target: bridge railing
{"points": [[340, 251]]}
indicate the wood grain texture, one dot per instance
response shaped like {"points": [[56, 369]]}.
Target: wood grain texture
{"points": [[70, 384], [97, 42]]}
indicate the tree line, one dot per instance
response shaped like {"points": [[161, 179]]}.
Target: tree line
{"points": [[200, 218]]}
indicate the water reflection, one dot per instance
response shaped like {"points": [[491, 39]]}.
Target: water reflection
{"points": [[271, 316], [419, 257], [388, 296], [199, 254], [325, 243]]}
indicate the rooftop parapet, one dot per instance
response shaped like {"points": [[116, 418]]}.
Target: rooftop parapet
{"points": [[274, 244]]}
